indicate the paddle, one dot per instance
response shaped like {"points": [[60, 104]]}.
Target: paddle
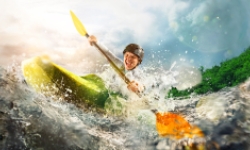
{"points": [[175, 126], [81, 29], [167, 124]]}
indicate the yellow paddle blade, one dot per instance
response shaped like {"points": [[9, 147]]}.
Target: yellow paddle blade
{"points": [[175, 126], [79, 26]]}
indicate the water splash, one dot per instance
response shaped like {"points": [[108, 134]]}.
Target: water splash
{"points": [[31, 121]]}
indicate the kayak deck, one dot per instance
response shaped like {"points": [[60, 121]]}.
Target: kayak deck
{"points": [[48, 78]]}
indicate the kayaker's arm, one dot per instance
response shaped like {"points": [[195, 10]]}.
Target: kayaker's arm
{"points": [[92, 39], [137, 77], [136, 87]]}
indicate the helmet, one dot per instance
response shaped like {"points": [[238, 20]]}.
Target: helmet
{"points": [[135, 49]]}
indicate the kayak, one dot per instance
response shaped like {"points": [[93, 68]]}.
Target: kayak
{"points": [[51, 79]]}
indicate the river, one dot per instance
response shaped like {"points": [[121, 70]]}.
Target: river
{"points": [[29, 120]]}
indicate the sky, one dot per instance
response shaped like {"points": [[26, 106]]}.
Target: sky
{"points": [[189, 32]]}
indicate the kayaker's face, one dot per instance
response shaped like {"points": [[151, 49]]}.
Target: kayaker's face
{"points": [[130, 61]]}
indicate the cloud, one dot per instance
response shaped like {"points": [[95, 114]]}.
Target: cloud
{"points": [[24, 34], [36, 27], [47, 25], [210, 25]]}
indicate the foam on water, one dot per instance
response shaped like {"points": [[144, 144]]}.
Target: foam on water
{"points": [[30, 120]]}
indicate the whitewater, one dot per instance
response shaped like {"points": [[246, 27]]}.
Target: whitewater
{"points": [[30, 120]]}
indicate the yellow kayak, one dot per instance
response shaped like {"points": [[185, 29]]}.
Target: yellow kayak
{"points": [[50, 79]]}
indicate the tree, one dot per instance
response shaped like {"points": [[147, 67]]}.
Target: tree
{"points": [[230, 73]]}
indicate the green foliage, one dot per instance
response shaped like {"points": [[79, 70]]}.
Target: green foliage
{"points": [[230, 73], [174, 92]]}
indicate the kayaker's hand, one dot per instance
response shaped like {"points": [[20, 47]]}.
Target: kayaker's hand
{"points": [[135, 87], [92, 39]]}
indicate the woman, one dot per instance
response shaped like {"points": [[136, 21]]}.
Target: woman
{"points": [[132, 57]]}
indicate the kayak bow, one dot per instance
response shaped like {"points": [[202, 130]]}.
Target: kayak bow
{"points": [[53, 80]]}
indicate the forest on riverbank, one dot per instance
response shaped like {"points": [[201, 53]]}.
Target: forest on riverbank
{"points": [[228, 74]]}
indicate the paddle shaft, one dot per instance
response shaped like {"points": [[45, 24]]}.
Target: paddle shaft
{"points": [[120, 73], [80, 28]]}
